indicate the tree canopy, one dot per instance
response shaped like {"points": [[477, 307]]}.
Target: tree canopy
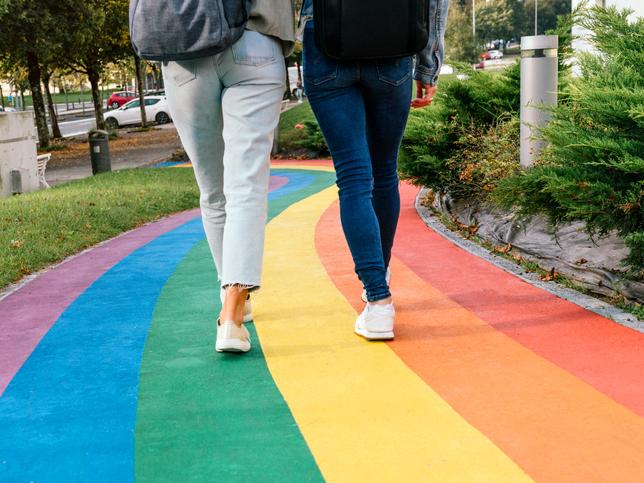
{"points": [[75, 35]]}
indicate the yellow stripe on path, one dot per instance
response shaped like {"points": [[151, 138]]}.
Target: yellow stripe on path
{"points": [[365, 415], [304, 166]]}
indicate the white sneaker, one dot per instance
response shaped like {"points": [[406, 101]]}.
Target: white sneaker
{"points": [[248, 309], [232, 338], [387, 278], [376, 322]]}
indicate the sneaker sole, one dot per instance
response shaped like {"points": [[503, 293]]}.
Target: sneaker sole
{"points": [[375, 335], [232, 346]]}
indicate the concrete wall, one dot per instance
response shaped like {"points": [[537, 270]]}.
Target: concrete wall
{"points": [[17, 151]]}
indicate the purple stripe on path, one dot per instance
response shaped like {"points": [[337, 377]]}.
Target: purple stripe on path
{"points": [[29, 312], [277, 182]]}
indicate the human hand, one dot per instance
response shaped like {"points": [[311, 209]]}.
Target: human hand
{"points": [[424, 94]]}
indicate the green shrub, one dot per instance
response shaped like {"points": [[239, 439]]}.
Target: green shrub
{"points": [[291, 136], [466, 119], [635, 242], [313, 138], [593, 168], [484, 157], [478, 106]]}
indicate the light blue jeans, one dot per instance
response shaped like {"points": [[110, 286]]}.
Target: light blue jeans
{"points": [[225, 108]]}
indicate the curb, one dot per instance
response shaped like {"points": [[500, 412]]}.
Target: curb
{"points": [[584, 301]]}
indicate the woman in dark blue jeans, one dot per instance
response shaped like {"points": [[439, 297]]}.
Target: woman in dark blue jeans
{"points": [[362, 108]]}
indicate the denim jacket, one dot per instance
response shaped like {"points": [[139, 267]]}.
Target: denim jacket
{"points": [[430, 59]]}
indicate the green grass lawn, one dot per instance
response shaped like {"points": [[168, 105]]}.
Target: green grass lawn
{"points": [[42, 228]]}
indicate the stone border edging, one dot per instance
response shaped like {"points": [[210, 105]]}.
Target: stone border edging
{"points": [[585, 301]]}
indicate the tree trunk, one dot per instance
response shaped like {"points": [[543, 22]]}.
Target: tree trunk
{"points": [[81, 96], [94, 77], [1, 96], [289, 94], [55, 129], [33, 72], [139, 86], [64, 84], [155, 75]]}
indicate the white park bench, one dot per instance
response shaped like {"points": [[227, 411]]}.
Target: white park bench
{"points": [[43, 159]]}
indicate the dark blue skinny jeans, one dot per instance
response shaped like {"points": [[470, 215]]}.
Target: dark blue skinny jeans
{"points": [[362, 108]]}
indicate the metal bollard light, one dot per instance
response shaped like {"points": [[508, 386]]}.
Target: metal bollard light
{"points": [[100, 151], [539, 83]]}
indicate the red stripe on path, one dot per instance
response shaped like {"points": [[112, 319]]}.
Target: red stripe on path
{"points": [[551, 423], [604, 354]]}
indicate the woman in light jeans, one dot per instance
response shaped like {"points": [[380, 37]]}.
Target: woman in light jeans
{"points": [[362, 108], [225, 108]]}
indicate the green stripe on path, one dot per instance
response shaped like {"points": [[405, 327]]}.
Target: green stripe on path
{"points": [[204, 416]]}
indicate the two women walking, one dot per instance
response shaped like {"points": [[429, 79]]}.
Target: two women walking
{"points": [[224, 88]]}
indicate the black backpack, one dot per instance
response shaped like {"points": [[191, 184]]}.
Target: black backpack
{"points": [[185, 29], [374, 29]]}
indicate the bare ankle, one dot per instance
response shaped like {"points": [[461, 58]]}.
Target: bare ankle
{"points": [[233, 308]]}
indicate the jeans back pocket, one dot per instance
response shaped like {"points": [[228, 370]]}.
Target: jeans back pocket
{"points": [[180, 72], [254, 49], [318, 68], [394, 71]]}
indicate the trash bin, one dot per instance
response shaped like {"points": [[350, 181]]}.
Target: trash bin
{"points": [[100, 152]]}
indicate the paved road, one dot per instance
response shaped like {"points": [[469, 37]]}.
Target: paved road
{"points": [[77, 127], [159, 149]]}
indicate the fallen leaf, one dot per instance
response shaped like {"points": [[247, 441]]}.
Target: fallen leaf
{"points": [[505, 249], [550, 276]]}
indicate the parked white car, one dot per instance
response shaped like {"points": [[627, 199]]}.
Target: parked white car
{"points": [[156, 109], [495, 54]]}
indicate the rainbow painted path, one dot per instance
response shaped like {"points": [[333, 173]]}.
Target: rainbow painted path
{"points": [[108, 372]]}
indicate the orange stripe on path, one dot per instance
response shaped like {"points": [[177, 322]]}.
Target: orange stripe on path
{"points": [[552, 424], [604, 354]]}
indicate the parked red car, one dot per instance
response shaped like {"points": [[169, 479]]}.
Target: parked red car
{"points": [[117, 99]]}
